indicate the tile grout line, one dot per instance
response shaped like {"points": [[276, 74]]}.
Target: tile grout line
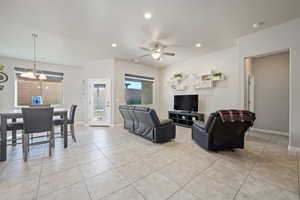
{"points": [[275, 185], [133, 182], [298, 174], [138, 191], [198, 174], [85, 184], [39, 182], [250, 171]]}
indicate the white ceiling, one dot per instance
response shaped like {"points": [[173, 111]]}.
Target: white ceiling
{"points": [[74, 32]]}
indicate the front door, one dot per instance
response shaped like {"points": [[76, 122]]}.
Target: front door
{"points": [[99, 102]]}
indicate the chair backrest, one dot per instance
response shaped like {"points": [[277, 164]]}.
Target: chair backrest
{"points": [[72, 113], [130, 113], [147, 116], [124, 112], [40, 106], [37, 119], [219, 128]]}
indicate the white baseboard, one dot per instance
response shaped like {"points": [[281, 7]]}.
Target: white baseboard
{"points": [[115, 125], [270, 131], [294, 149]]}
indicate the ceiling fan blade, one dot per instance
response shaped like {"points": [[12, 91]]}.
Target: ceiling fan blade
{"points": [[169, 54], [144, 48], [144, 55]]}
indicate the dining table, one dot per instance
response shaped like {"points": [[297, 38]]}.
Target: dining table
{"points": [[16, 114]]}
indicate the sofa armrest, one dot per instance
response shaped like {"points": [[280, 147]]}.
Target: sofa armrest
{"points": [[164, 133], [199, 124], [166, 122]]}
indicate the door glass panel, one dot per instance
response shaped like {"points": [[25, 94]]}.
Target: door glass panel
{"points": [[99, 99]]}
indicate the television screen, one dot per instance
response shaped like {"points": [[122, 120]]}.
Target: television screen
{"points": [[186, 103]]}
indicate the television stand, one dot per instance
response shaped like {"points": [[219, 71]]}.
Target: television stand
{"points": [[185, 119]]}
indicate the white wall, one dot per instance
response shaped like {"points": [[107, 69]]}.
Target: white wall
{"points": [[271, 92], [71, 84], [277, 38], [96, 70], [120, 68], [223, 96]]}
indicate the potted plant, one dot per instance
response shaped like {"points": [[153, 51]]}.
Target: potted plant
{"points": [[178, 76], [217, 75]]}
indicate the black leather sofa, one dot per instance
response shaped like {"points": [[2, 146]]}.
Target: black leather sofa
{"points": [[144, 122], [217, 135]]}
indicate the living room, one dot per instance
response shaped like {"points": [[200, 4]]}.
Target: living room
{"points": [[149, 96]]}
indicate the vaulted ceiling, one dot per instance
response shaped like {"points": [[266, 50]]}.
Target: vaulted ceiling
{"points": [[74, 32]]}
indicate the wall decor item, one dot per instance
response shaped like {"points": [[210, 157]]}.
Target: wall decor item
{"points": [[180, 81], [177, 82], [208, 80], [3, 77]]}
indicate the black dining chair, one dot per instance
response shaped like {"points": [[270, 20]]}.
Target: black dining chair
{"points": [[71, 119], [37, 120]]}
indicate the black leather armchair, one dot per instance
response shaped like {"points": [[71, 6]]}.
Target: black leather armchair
{"points": [[218, 135], [144, 121], [127, 114]]}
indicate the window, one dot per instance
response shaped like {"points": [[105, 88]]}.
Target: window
{"points": [[51, 90], [138, 90]]}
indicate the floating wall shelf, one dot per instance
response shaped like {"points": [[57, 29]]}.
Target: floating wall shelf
{"points": [[179, 81]]}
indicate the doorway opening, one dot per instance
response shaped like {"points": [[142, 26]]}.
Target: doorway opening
{"points": [[267, 91], [99, 101]]}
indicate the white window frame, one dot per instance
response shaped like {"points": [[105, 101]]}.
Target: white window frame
{"points": [[153, 90], [21, 106]]}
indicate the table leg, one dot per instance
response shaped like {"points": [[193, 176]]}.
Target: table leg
{"points": [[62, 128], [65, 130], [14, 134], [3, 139]]}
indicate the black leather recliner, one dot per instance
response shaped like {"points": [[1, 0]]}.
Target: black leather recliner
{"points": [[217, 135], [144, 121], [127, 114]]}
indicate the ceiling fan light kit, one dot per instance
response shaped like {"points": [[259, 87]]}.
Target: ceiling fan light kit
{"points": [[157, 51]]}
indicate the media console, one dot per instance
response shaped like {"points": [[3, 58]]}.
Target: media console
{"points": [[185, 118]]}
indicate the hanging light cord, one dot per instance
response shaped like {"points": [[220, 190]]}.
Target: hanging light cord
{"points": [[34, 35]]}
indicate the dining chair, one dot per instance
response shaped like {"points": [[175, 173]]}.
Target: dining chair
{"points": [[71, 119], [37, 120]]}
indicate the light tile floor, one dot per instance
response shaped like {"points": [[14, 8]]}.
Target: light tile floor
{"points": [[112, 164]]}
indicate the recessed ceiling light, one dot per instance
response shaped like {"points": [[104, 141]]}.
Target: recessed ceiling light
{"points": [[114, 45], [147, 15], [257, 25], [198, 45]]}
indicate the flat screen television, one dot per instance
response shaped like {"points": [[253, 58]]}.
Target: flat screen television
{"points": [[186, 103]]}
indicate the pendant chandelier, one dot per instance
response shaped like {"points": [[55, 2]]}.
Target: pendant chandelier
{"points": [[32, 74]]}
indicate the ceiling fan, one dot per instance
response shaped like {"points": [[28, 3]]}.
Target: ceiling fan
{"points": [[157, 51]]}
